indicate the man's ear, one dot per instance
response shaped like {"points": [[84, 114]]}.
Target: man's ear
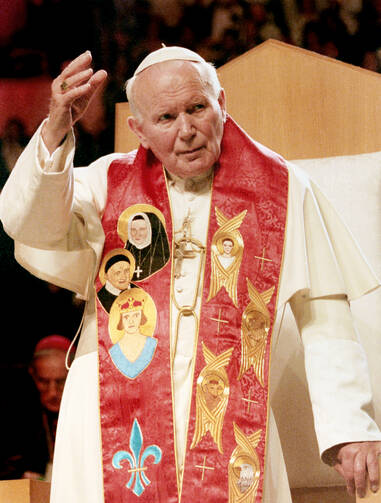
{"points": [[136, 128], [222, 103]]}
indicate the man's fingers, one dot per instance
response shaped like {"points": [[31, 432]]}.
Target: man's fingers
{"points": [[74, 74], [349, 479], [82, 95], [373, 471], [80, 63], [360, 473], [74, 80], [86, 91], [98, 79], [81, 84], [345, 467]]}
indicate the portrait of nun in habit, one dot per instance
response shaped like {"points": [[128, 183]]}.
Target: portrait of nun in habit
{"points": [[145, 239]]}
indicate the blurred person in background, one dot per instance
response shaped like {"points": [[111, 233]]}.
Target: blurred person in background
{"points": [[34, 445]]}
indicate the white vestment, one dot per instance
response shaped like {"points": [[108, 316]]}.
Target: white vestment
{"points": [[54, 214]]}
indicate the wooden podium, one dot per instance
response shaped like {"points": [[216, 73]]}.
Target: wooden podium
{"points": [[24, 491]]}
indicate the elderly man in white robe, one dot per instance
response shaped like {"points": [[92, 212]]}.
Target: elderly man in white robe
{"points": [[54, 213]]}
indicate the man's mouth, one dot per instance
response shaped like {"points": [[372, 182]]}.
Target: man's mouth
{"points": [[190, 153]]}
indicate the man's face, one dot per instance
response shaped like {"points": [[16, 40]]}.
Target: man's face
{"points": [[139, 231], [181, 120], [119, 275], [49, 375], [131, 321]]}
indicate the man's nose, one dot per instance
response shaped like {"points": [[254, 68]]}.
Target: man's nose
{"points": [[186, 128], [53, 388]]}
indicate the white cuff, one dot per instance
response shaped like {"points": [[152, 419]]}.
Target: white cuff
{"points": [[60, 160], [338, 380]]}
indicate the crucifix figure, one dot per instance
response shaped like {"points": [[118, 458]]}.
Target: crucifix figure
{"points": [[183, 246]]}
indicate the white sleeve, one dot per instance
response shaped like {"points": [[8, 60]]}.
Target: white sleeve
{"points": [[53, 212], [337, 372], [35, 205], [321, 256]]}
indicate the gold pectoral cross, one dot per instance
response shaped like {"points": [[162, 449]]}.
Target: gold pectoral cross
{"points": [[183, 250], [184, 246]]}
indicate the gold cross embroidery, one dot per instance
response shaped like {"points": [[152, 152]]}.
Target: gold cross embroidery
{"points": [[204, 467], [263, 258], [219, 320], [249, 401]]}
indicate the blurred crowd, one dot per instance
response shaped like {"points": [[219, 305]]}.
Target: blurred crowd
{"points": [[40, 35]]}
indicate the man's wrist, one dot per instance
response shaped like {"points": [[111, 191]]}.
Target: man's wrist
{"points": [[52, 140]]}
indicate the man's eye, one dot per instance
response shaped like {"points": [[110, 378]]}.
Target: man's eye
{"points": [[196, 108], [165, 117]]}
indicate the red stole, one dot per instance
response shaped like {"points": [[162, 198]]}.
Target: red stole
{"points": [[136, 412]]}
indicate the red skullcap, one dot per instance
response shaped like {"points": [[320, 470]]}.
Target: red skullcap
{"points": [[53, 342]]}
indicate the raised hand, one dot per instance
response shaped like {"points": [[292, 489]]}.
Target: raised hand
{"points": [[72, 92]]}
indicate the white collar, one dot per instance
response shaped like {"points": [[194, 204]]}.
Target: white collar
{"points": [[112, 289], [196, 184]]}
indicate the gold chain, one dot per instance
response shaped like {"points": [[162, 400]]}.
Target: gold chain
{"points": [[188, 310]]}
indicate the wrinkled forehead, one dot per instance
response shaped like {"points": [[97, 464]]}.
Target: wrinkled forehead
{"points": [[166, 78]]}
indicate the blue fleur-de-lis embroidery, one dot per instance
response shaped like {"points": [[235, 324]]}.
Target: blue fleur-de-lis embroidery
{"points": [[136, 462]]}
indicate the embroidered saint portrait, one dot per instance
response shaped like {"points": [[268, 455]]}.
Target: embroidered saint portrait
{"points": [[142, 228], [244, 467], [254, 331], [226, 255], [115, 274], [212, 397], [132, 324]]}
